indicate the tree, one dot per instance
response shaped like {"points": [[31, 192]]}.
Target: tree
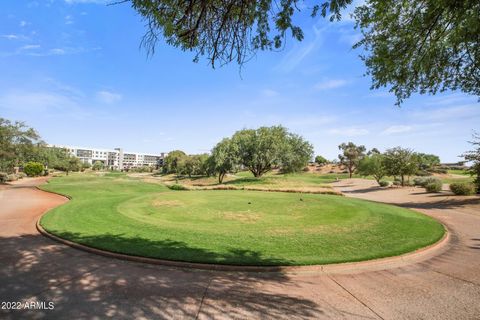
{"points": [[373, 165], [68, 164], [427, 161], [175, 162], [474, 157], [411, 46], [421, 46], [400, 162], [224, 31], [17, 142], [264, 148], [297, 153], [195, 164], [320, 160], [97, 165], [224, 158], [33, 169], [351, 156]]}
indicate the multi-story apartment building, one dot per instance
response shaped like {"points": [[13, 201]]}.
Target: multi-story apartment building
{"points": [[115, 158]]}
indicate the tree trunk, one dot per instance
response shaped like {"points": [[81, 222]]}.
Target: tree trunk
{"points": [[403, 180], [221, 175]]}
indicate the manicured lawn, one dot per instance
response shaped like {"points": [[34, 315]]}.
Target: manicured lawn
{"points": [[127, 215]]}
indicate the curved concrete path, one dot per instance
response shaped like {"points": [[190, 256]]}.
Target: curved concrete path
{"points": [[86, 286]]}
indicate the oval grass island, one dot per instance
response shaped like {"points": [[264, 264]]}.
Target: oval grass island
{"points": [[233, 227]]}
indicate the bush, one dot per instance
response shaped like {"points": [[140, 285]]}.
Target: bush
{"points": [[435, 186], [33, 169], [462, 189], [305, 169], [12, 177], [384, 183], [397, 182], [21, 175], [423, 181], [177, 187], [423, 173], [3, 177]]}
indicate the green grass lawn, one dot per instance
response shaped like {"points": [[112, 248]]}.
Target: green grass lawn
{"points": [[126, 215]]}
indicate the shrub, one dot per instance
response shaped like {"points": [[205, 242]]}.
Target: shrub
{"points": [[21, 175], [462, 189], [177, 187], [397, 182], [33, 169], [384, 183], [434, 186], [423, 181], [305, 169], [423, 173], [3, 177], [12, 177]]}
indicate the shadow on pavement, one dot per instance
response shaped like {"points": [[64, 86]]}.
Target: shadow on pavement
{"points": [[83, 285]]}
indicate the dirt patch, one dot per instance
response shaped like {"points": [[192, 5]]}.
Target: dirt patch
{"points": [[242, 216], [167, 203]]}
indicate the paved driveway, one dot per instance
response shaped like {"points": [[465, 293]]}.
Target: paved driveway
{"points": [[85, 286]]}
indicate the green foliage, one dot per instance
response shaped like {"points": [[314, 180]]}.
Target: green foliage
{"points": [[423, 181], [383, 183], [224, 158], [33, 169], [435, 186], [261, 149], [17, 144], [400, 162], [3, 177], [427, 161], [474, 157], [177, 187], [227, 31], [296, 153], [373, 165], [97, 165], [174, 162], [351, 156], [320, 160], [196, 164], [70, 163], [463, 189], [421, 46]]}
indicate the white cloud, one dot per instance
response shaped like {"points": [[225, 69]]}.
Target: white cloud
{"points": [[396, 129], [35, 101], [269, 93], [108, 97], [30, 47], [23, 23], [348, 132], [69, 19], [14, 37], [330, 84]]}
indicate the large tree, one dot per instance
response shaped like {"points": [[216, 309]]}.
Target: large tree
{"points": [[400, 162], [473, 156], [373, 165], [408, 46], [262, 149], [175, 162], [17, 144], [351, 156], [224, 159]]}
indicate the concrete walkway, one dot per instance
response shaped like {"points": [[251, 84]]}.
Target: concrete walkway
{"points": [[85, 286]]}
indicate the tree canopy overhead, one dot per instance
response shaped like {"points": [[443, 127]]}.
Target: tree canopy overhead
{"points": [[226, 30], [410, 46]]}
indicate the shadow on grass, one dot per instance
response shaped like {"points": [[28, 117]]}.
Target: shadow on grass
{"points": [[247, 180], [87, 286], [171, 250]]}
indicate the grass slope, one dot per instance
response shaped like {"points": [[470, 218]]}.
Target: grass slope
{"points": [[232, 227]]}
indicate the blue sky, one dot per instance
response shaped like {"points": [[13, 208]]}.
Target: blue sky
{"points": [[73, 69]]}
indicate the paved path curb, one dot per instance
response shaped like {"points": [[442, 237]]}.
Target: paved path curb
{"points": [[347, 267]]}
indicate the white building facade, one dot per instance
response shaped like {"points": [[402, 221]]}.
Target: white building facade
{"points": [[115, 158]]}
